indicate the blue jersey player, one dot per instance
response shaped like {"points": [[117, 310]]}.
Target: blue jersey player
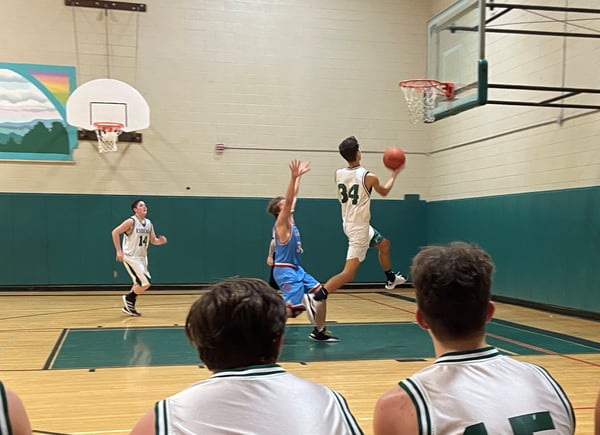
{"points": [[293, 281]]}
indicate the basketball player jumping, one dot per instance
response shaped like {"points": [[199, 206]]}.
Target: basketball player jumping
{"points": [[354, 185]]}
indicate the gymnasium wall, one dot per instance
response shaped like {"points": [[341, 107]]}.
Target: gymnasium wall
{"points": [[278, 81], [271, 81], [48, 244], [524, 181], [546, 245]]}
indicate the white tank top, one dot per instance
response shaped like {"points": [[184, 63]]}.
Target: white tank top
{"points": [[484, 392], [354, 197], [135, 244], [265, 400], [4, 418]]}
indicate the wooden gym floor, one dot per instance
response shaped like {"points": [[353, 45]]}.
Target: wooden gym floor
{"points": [[81, 366]]}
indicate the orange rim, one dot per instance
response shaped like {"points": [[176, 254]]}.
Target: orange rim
{"points": [[108, 126]]}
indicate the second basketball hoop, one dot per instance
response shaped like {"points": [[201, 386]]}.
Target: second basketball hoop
{"points": [[421, 96]]}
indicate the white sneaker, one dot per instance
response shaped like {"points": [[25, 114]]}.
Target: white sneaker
{"points": [[308, 300], [400, 279]]}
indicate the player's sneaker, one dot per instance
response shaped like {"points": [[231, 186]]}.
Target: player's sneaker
{"points": [[129, 308], [323, 336], [308, 300], [398, 280]]}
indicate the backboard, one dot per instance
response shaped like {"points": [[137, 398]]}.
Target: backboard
{"points": [[107, 100], [456, 53]]}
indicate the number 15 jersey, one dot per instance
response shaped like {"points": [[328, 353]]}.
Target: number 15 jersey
{"points": [[481, 392]]}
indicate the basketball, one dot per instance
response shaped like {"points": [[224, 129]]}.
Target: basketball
{"points": [[393, 158]]}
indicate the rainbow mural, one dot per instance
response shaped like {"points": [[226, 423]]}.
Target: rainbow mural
{"points": [[60, 84], [33, 122]]}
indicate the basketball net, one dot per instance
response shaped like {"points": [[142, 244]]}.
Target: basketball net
{"points": [[108, 135], [421, 95]]}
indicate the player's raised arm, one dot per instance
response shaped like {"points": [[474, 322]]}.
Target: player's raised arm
{"points": [[297, 169], [372, 181]]}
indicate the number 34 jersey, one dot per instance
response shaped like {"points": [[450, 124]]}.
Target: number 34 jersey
{"points": [[135, 244], [484, 392], [354, 196]]}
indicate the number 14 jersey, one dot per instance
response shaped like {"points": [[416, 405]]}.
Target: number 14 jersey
{"points": [[135, 244]]}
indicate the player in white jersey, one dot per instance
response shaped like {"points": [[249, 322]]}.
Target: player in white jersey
{"points": [[355, 184], [137, 232], [13, 417], [237, 328], [471, 388]]}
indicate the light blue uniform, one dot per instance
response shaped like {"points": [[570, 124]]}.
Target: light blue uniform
{"points": [[293, 281]]}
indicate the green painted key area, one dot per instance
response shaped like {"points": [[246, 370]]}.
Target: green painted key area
{"points": [[166, 346]]}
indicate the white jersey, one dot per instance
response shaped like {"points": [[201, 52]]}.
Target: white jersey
{"points": [[264, 400], [4, 418], [354, 196], [484, 392], [135, 244]]}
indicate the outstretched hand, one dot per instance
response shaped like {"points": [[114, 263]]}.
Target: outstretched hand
{"points": [[299, 168]]}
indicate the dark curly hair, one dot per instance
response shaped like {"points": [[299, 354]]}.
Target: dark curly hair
{"points": [[238, 323], [452, 286], [349, 149]]}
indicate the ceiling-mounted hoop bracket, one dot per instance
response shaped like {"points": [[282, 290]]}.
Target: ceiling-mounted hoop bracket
{"points": [[120, 6]]}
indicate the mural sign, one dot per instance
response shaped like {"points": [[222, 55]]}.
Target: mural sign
{"points": [[33, 122]]}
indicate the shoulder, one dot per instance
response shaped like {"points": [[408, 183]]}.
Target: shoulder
{"points": [[370, 179], [16, 412], [395, 413]]}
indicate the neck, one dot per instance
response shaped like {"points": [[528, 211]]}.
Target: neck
{"points": [[442, 347]]}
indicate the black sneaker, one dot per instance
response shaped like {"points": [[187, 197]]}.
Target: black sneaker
{"points": [[311, 307], [129, 308], [322, 336], [399, 279]]}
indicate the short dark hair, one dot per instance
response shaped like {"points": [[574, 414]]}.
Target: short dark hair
{"points": [[274, 207], [349, 149], [135, 203], [237, 323], [452, 286]]}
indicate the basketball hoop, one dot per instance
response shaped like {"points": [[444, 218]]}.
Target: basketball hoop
{"points": [[421, 95], [108, 134]]}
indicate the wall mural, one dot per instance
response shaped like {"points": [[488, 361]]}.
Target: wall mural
{"points": [[33, 122]]}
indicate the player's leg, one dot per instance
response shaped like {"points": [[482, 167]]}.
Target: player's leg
{"points": [[289, 283], [320, 332], [383, 247], [138, 271], [358, 245]]}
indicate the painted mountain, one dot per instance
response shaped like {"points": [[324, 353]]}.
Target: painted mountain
{"points": [[32, 112], [35, 136]]}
